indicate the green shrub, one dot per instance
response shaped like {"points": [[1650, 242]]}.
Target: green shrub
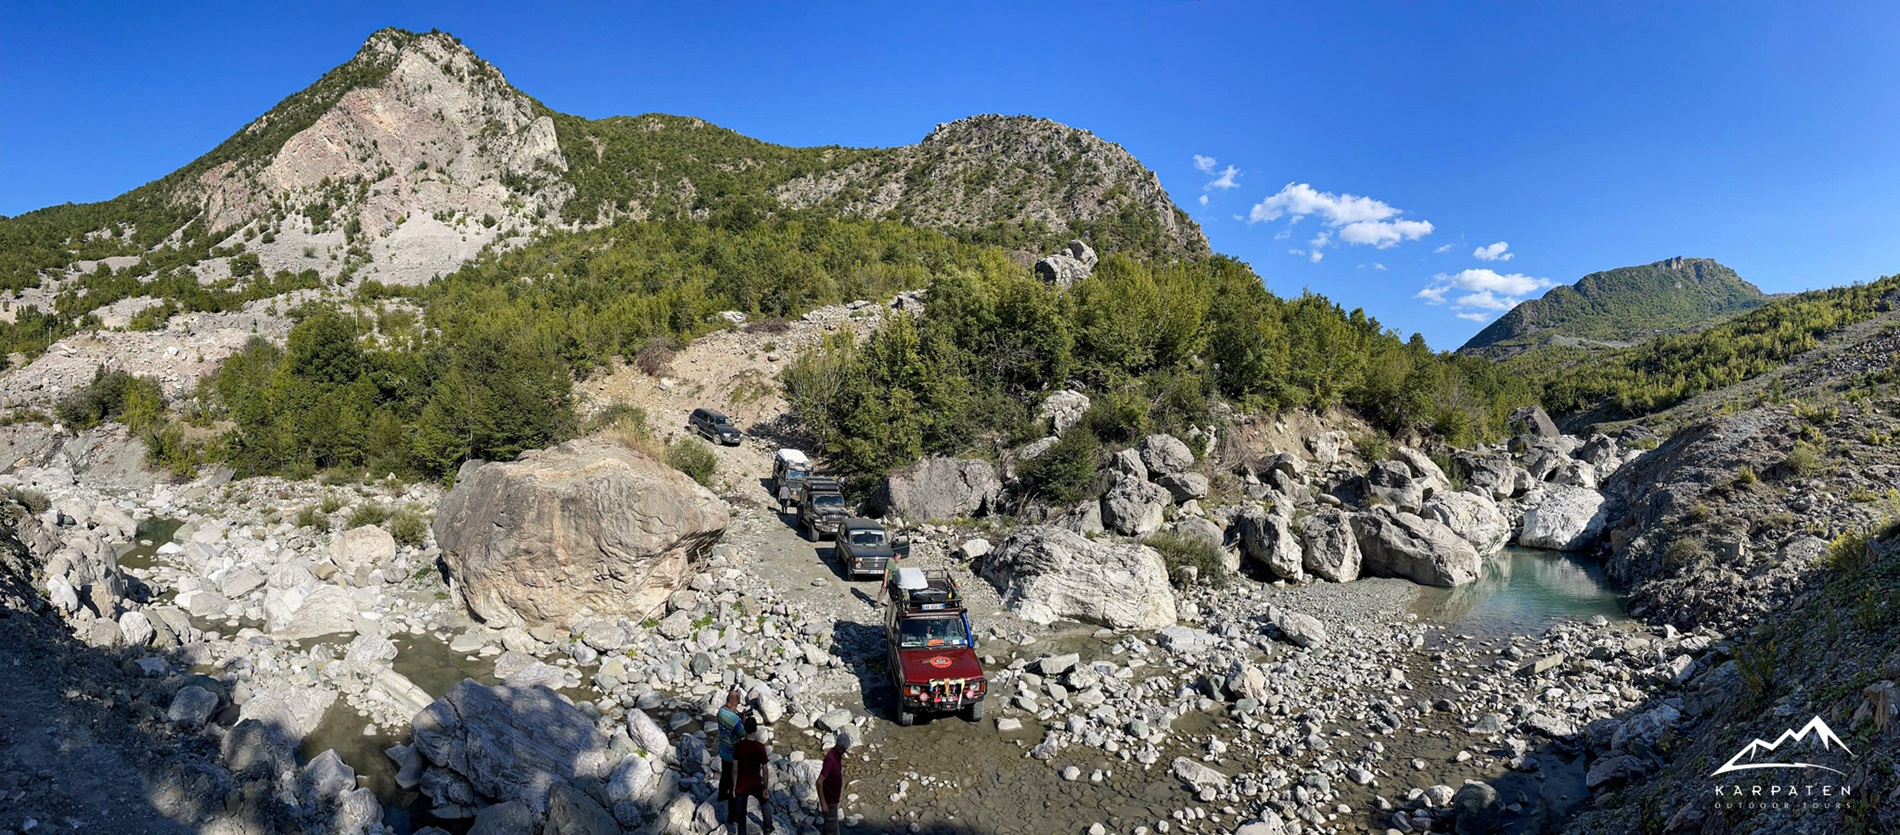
{"points": [[138, 402], [330, 503], [693, 458], [1117, 417], [1849, 552], [409, 527], [1803, 460], [1065, 472], [1374, 447], [1179, 552], [368, 513], [1684, 551], [31, 499], [1746, 476], [311, 517]]}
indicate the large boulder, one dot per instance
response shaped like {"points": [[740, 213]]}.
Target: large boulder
{"points": [[508, 743], [1533, 420], [941, 488], [1394, 543], [1063, 409], [1426, 471], [1134, 507], [1269, 541], [590, 527], [1566, 519], [1065, 268], [1473, 516], [365, 547], [1492, 473], [1392, 483], [289, 712], [299, 614], [1046, 574], [1165, 455], [1331, 549]]}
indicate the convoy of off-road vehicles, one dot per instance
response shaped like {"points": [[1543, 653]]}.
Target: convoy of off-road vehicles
{"points": [[932, 650]]}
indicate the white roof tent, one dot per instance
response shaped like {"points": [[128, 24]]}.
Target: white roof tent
{"points": [[793, 458]]}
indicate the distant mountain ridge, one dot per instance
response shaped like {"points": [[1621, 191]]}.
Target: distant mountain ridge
{"points": [[404, 162], [1621, 307]]}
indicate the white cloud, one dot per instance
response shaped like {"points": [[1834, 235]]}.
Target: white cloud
{"points": [[1384, 234], [1496, 252], [1296, 252], [1280, 235], [1315, 256], [1203, 199], [1443, 249], [1205, 165], [1224, 181], [1482, 289], [1378, 266], [1350, 219], [1475, 317], [1485, 300]]}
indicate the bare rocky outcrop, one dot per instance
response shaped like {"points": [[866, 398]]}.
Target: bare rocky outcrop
{"points": [[941, 488], [1065, 268], [1047, 574], [590, 527]]}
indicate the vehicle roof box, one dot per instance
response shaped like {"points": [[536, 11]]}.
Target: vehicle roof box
{"points": [[910, 578], [794, 458]]}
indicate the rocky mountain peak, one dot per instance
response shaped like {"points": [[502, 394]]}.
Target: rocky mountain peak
{"points": [[402, 163]]}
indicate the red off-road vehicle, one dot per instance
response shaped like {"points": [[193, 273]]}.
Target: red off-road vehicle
{"points": [[932, 650]]}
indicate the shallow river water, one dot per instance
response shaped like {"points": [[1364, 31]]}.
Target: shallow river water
{"points": [[1523, 591]]}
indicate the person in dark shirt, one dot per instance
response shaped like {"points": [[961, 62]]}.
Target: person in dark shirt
{"points": [[730, 731], [831, 784], [750, 763]]}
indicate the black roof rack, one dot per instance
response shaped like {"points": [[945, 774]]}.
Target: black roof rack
{"points": [[919, 589]]}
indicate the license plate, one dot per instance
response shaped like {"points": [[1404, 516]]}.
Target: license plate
{"points": [[932, 606]]}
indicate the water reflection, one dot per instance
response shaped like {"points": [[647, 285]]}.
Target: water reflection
{"points": [[1523, 591]]}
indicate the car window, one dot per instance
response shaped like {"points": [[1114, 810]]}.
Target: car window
{"points": [[867, 539], [718, 420], [828, 500], [932, 633]]}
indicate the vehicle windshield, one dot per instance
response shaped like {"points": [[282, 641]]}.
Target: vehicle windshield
{"points": [[717, 420], [921, 633], [867, 539], [827, 500], [795, 475]]}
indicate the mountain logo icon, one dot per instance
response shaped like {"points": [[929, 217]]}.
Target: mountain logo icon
{"points": [[1751, 754]]}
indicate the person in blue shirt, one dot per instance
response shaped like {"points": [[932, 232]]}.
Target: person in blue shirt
{"points": [[731, 730]]}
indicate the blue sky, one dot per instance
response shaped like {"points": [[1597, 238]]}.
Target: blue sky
{"points": [[1400, 141]]}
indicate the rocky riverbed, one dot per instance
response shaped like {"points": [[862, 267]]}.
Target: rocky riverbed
{"points": [[309, 653]]}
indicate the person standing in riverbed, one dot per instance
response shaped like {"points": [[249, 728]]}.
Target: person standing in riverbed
{"points": [[831, 783], [730, 723], [750, 759]]}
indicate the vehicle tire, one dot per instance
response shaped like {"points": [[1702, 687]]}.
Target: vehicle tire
{"points": [[974, 713], [905, 718]]}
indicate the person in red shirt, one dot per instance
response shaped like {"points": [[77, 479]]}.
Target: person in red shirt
{"points": [[831, 784], [751, 762]]}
